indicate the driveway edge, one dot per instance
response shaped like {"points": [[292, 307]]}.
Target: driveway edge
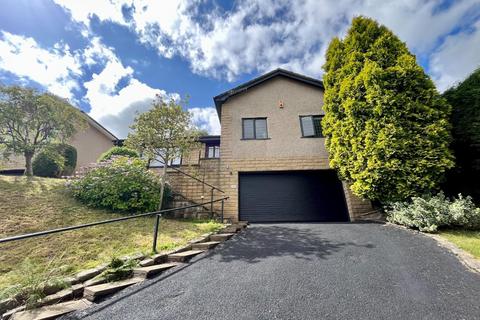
{"points": [[466, 258]]}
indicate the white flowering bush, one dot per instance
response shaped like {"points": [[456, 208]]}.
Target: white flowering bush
{"points": [[123, 184], [429, 213]]}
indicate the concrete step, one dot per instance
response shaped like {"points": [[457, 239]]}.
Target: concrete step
{"points": [[150, 271], [204, 245], [232, 229], [183, 256], [95, 292], [221, 236], [52, 312]]}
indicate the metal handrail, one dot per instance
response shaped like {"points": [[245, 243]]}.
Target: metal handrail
{"points": [[193, 177], [86, 225]]}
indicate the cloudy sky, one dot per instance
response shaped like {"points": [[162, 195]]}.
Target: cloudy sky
{"points": [[110, 58]]}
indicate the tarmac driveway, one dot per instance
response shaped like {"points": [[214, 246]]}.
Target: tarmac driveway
{"points": [[308, 271]]}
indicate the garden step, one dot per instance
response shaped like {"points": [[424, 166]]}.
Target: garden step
{"points": [[183, 256], [52, 312], [221, 237], [232, 229], [150, 271], [94, 292], [204, 245]]}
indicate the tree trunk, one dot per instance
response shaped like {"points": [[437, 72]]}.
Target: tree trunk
{"points": [[28, 164], [162, 186]]}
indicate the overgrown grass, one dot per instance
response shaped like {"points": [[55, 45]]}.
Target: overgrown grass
{"points": [[28, 205], [467, 240]]}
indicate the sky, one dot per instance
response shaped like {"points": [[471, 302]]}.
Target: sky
{"points": [[112, 58]]}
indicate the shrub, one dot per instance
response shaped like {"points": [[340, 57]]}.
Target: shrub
{"points": [[70, 154], [123, 184], [432, 212], [118, 151], [118, 269], [48, 163]]}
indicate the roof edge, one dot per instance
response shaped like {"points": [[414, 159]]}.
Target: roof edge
{"points": [[98, 126]]}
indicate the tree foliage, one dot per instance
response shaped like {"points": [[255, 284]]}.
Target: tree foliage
{"points": [[31, 120], [465, 101], [386, 125], [164, 133], [55, 160]]}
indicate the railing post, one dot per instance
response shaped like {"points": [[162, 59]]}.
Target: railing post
{"points": [[155, 232], [211, 203], [221, 211]]}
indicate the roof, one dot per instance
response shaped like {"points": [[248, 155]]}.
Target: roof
{"points": [[223, 97], [99, 127], [209, 138]]}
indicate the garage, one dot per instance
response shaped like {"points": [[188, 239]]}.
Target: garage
{"points": [[291, 196]]}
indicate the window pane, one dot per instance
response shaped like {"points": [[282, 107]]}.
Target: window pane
{"points": [[260, 128], [248, 132], [307, 126], [217, 151], [317, 123], [210, 152], [176, 161]]}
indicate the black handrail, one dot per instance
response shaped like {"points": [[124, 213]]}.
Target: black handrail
{"points": [[193, 177], [86, 225]]}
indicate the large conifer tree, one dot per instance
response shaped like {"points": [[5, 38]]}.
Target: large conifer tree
{"points": [[386, 125]]}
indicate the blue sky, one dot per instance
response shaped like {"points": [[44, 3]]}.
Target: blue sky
{"points": [[111, 58]]}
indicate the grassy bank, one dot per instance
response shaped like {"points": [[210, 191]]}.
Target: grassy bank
{"points": [[42, 203], [467, 240]]}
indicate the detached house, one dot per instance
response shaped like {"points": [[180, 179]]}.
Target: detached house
{"points": [[270, 159]]}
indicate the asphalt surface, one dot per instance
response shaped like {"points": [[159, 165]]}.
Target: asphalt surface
{"points": [[308, 271]]}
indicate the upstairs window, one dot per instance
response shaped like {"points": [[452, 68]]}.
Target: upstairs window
{"points": [[212, 152], [254, 128], [311, 126]]}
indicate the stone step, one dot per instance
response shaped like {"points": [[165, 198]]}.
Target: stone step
{"points": [[232, 229], [95, 292], [183, 256], [221, 236], [52, 312], [204, 245], [150, 271]]}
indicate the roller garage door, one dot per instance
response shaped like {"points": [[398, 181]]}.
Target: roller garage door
{"points": [[291, 196]]}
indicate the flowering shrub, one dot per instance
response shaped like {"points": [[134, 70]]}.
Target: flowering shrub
{"points": [[432, 212], [123, 184]]}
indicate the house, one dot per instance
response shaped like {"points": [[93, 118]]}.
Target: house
{"points": [[90, 144], [270, 159]]}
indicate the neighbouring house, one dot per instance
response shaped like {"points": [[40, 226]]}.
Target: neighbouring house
{"points": [[270, 159], [90, 144]]}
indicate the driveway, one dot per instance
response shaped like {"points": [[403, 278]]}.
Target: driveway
{"points": [[308, 271]]}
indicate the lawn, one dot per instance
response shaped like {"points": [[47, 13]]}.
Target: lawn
{"points": [[42, 203], [465, 239]]}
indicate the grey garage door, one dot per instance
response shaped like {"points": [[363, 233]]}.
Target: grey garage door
{"points": [[291, 196]]}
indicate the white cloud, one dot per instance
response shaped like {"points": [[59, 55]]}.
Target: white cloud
{"points": [[55, 68], [259, 35], [457, 57], [206, 119]]}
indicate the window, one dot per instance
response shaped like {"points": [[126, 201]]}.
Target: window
{"points": [[212, 152], [311, 126], [254, 128]]}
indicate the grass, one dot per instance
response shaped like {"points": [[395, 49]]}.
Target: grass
{"points": [[467, 240], [28, 205]]}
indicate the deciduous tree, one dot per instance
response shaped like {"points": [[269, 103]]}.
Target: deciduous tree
{"points": [[31, 120]]}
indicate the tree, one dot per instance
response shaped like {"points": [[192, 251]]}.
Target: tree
{"points": [[465, 101], [386, 126], [30, 120], [165, 133]]}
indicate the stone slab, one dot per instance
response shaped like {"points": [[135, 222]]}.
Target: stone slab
{"points": [[150, 271], [94, 292], [52, 312], [221, 236], [147, 262], [205, 245], [183, 256]]}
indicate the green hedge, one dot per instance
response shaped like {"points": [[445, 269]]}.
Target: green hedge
{"points": [[55, 161], [118, 151], [124, 185]]}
